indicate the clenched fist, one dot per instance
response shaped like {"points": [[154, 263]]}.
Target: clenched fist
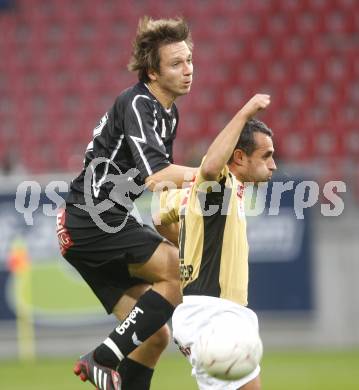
{"points": [[256, 103]]}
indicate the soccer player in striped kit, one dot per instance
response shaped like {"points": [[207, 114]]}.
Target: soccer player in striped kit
{"points": [[207, 221]]}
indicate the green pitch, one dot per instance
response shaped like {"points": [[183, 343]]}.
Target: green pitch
{"points": [[280, 371], [68, 295]]}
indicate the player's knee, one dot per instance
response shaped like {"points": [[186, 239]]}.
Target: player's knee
{"points": [[159, 340], [173, 275], [254, 384], [169, 271], [172, 265], [175, 292], [169, 276]]}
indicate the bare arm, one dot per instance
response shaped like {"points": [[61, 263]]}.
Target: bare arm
{"points": [[170, 231], [176, 174], [222, 147]]}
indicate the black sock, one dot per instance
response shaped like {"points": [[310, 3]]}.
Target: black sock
{"points": [[148, 315], [134, 375]]}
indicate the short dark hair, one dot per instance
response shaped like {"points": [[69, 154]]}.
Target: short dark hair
{"points": [[246, 140], [151, 35]]}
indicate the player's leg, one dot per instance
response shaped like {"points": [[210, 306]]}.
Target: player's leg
{"points": [[148, 352], [152, 310], [162, 271], [109, 281], [254, 384], [103, 261], [137, 369]]}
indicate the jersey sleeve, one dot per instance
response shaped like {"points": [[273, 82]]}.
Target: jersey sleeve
{"points": [[170, 202], [146, 145]]}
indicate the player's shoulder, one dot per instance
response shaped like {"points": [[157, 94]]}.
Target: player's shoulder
{"points": [[137, 95], [223, 176]]}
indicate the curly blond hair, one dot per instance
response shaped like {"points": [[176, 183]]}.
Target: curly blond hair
{"points": [[151, 35]]}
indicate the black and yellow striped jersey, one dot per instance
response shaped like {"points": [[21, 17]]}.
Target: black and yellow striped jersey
{"points": [[212, 236]]}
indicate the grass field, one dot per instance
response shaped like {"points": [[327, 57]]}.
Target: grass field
{"points": [[280, 371]]}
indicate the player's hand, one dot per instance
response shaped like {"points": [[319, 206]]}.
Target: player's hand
{"points": [[257, 103]]}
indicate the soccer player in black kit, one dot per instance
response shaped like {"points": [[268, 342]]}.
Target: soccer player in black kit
{"points": [[129, 266]]}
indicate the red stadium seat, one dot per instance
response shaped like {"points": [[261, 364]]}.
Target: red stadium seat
{"points": [[296, 145], [264, 50], [308, 70], [278, 24], [327, 142], [308, 23], [350, 141]]}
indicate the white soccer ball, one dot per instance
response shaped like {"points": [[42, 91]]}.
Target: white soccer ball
{"points": [[228, 350]]}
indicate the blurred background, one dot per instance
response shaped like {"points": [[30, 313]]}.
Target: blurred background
{"points": [[63, 62]]}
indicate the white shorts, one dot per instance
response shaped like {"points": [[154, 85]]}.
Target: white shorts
{"points": [[187, 321]]}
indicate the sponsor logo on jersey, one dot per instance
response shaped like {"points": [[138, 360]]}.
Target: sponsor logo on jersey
{"points": [[186, 271]]}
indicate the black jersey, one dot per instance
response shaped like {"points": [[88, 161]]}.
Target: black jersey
{"points": [[132, 141]]}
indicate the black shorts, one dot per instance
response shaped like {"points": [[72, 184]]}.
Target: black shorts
{"points": [[101, 257]]}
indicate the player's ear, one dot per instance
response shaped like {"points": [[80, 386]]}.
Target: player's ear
{"points": [[152, 74], [238, 156]]}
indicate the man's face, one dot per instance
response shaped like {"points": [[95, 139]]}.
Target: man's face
{"points": [[260, 165], [176, 69]]}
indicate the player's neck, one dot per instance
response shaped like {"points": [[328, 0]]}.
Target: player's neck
{"points": [[236, 172], [164, 98]]}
